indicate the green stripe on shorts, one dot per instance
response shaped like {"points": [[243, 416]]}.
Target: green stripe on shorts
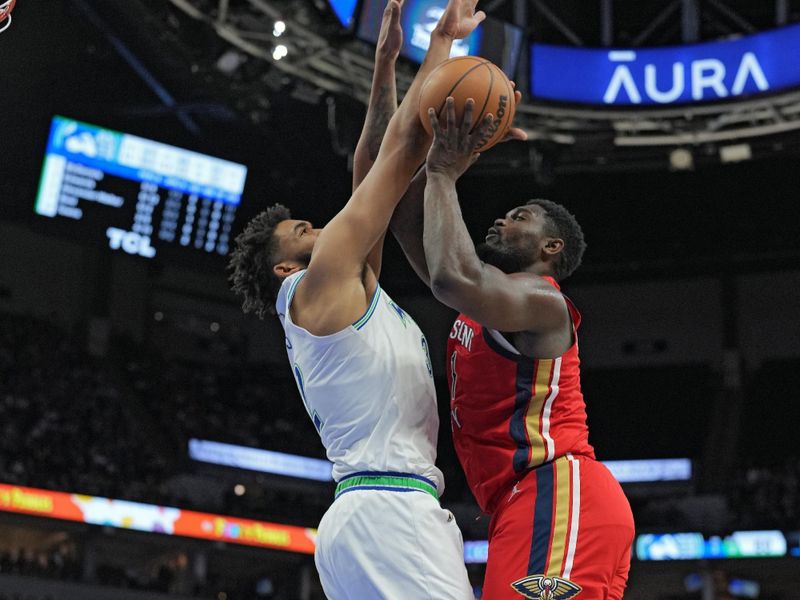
{"points": [[387, 482]]}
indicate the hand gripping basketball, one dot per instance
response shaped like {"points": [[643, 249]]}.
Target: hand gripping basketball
{"points": [[455, 145], [471, 77]]}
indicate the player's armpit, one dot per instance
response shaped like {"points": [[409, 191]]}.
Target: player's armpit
{"points": [[515, 302], [326, 309]]}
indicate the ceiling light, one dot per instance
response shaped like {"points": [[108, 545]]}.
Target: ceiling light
{"points": [[735, 153], [279, 52], [681, 159]]}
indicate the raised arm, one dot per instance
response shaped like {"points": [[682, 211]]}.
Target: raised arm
{"points": [[383, 94], [380, 108], [333, 293], [408, 220], [506, 302]]}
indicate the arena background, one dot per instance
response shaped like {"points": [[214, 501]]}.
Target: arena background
{"points": [[110, 363]]}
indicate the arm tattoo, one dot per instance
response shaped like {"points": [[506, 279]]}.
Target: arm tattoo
{"points": [[379, 119]]}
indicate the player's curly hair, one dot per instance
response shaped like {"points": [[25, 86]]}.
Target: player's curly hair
{"points": [[562, 224], [251, 262]]}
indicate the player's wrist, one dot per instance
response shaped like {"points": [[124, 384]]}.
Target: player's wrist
{"points": [[443, 35], [440, 174], [385, 60]]}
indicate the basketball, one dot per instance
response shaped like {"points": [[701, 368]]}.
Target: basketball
{"points": [[473, 77]]}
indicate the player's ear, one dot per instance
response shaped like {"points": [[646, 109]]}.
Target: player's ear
{"points": [[283, 269], [553, 246]]}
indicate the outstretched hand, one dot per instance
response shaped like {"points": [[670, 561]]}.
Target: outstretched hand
{"points": [[460, 19], [390, 38], [454, 146]]}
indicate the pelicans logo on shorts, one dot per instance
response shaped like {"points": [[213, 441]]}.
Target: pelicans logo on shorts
{"points": [[543, 587]]}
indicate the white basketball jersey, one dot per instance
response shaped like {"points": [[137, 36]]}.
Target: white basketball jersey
{"points": [[368, 389]]}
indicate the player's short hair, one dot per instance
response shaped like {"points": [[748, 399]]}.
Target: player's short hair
{"points": [[562, 224], [252, 259]]}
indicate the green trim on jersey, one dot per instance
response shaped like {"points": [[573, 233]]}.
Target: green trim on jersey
{"points": [[372, 305]]}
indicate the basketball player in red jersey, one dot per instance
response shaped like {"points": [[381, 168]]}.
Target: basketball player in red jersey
{"points": [[561, 526]]}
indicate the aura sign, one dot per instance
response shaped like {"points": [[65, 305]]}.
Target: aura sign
{"points": [[671, 75]]}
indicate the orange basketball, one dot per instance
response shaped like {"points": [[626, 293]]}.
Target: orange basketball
{"points": [[470, 77]]}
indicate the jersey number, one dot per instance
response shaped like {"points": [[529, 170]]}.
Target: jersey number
{"points": [[453, 375], [454, 378], [298, 375]]}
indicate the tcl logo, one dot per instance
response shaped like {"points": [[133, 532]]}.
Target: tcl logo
{"points": [[130, 242]]}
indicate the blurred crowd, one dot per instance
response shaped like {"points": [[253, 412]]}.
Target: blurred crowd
{"points": [[768, 497], [239, 404], [172, 575], [119, 427], [64, 423], [60, 562]]}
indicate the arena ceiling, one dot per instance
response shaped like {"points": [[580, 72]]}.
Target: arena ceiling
{"points": [[153, 68]]}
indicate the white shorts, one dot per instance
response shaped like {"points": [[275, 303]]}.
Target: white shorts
{"points": [[377, 544]]}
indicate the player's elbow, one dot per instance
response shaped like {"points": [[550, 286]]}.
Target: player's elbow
{"points": [[450, 288]]}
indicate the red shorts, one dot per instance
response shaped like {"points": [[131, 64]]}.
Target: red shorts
{"points": [[564, 531]]}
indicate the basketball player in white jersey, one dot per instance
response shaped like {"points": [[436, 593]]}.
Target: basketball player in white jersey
{"points": [[362, 365]]}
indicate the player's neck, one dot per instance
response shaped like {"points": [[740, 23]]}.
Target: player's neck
{"points": [[538, 268]]}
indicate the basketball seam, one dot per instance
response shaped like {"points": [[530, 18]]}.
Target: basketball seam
{"points": [[488, 95], [459, 80]]}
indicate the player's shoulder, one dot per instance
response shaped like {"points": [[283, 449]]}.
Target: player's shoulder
{"points": [[537, 289], [541, 281], [287, 291]]}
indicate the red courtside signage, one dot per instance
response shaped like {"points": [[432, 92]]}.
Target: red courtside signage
{"points": [[155, 519]]}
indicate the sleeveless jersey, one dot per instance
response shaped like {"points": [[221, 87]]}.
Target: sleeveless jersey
{"points": [[368, 389], [509, 412]]}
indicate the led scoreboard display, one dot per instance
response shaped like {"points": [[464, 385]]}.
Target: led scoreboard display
{"points": [[140, 194]]}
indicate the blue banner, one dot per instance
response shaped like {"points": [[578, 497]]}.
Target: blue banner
{"points": [[707, 72], [256, 459]]}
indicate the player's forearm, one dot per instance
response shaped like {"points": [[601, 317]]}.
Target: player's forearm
{"points": [[381, 107], [346, 241], [406, 128], [407, 225], [438, 52], [452, 263]]}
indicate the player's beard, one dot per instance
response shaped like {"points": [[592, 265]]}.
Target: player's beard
{"points": [[508, 260]]}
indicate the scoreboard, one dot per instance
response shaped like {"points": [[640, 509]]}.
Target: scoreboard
{"points": [[138, 194]]}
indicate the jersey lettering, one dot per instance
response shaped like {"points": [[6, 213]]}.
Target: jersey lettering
{"points": [[463, 333], [425, 349]]}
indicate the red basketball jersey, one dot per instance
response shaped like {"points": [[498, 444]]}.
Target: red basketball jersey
{"points": [[509, 412]]}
